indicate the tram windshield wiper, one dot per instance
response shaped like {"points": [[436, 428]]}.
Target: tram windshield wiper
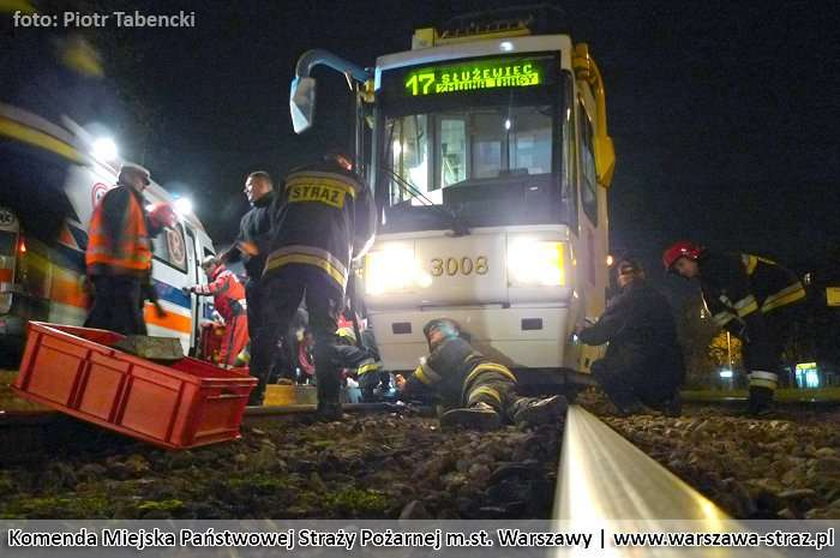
{"points": [[456, 223]]}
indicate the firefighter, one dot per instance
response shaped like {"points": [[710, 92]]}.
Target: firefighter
{"points": [[324, 221], [752, 298], [643, 363], [254, 229], [230, 302], [119, 255], [362, 362], [474, 391]]}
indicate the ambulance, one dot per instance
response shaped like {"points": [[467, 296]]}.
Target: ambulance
{"points": [[45, 279]]}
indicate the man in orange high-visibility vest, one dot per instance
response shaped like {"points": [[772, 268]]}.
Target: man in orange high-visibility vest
{"points": [[119, 254]]}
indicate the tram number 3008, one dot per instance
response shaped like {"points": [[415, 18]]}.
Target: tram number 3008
{"points": [[456, 266]]}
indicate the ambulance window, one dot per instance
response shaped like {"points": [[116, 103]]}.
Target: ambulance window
{"points": [[588, 181], [7, 243], [170, 248]]}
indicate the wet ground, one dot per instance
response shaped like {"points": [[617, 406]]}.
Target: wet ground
{"points": [[374, 466]]}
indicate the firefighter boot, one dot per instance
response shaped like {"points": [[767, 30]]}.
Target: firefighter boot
{"points": [[329, 412], [761, 401], [533, 411], [478, 416]]}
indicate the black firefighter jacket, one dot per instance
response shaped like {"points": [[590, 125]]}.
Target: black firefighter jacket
{"points": [[642, 334], [741, 291], [452, 369], [324, 218]]}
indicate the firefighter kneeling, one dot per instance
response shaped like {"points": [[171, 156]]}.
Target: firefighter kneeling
{"points": [[477, 392]]}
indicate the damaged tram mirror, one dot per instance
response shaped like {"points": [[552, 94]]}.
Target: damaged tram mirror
{"points": [[302, 103]]}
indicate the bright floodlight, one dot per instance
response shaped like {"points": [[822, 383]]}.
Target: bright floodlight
{"points": [[183, 206], [105, 149], [506, 46], [726, 374]]}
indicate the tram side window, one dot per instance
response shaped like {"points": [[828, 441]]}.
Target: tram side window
{"points": [[566, 150], [589, 182], [170, 248]]}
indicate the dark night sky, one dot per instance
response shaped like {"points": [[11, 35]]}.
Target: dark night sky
{"points": [[725, 117]]}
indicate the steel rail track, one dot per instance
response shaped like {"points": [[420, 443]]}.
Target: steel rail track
{"points": [[604, 482]]}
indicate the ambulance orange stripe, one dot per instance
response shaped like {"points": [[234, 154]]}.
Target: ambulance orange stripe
{"points": [[69, 292], [173, 321]]}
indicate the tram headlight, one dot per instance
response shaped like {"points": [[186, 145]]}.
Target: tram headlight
{"points": [[537, 262], [393, 269]]}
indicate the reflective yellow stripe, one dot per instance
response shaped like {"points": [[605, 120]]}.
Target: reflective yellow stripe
{"points": [[426, 374], [762, 375], [25, 134], [746, 306], [366, 367], [315, 178], [784, 297], [279, 261], [489, 367], [750, 262], [484, 390], [723, 318], [769, 384]]}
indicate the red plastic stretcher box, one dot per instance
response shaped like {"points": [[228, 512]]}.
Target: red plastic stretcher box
{"points": [[181, 405]]}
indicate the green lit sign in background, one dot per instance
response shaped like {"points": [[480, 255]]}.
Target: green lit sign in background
{"points": [[488, 74]]}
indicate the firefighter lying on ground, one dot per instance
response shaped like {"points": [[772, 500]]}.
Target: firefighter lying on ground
{"points": [[753, 298], [474, 391], [643, 363], [229, 300]]}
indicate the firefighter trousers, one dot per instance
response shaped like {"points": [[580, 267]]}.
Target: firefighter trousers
{"points": [[282, 291], [628, 380], [492, 384]]}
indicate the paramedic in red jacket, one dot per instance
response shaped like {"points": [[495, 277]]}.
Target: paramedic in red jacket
{"points": [[229, 299]]}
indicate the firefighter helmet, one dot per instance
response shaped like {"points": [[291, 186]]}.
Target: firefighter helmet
{"points": [[681, 249], [449, 328]]}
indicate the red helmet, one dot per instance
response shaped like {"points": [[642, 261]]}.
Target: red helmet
{"points": [[681, 249]]}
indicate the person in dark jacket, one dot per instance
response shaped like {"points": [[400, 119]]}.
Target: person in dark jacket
{"points": [[643, 363], [324, 221], [361, 361], [474, 391], [753, 298], [254, 229]]}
